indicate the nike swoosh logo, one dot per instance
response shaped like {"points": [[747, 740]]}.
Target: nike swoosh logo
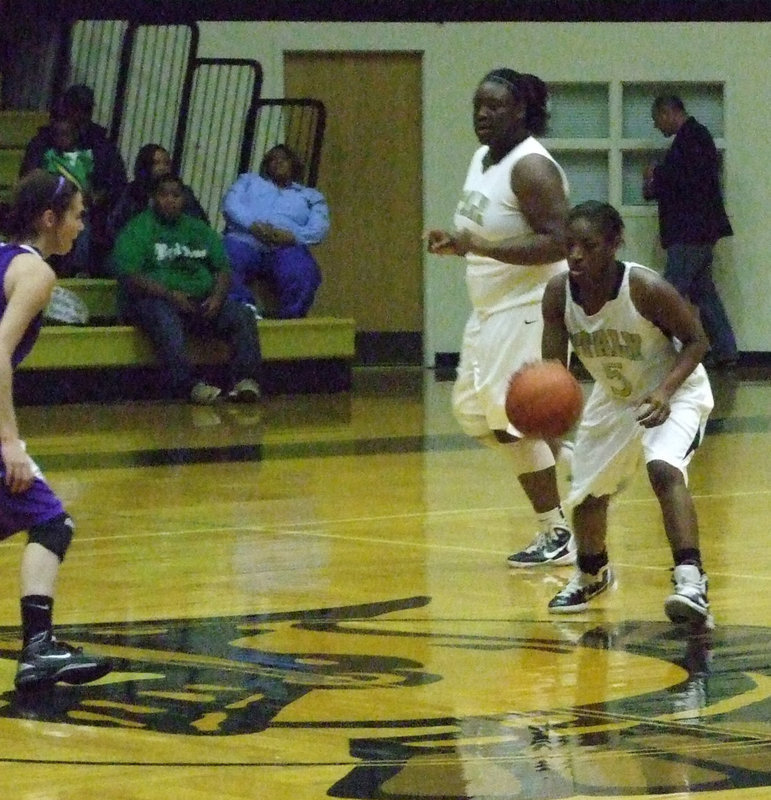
{"points": [[61, 656], [530, 321]]}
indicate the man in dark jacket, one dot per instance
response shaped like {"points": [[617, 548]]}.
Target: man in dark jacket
{"points": [[109, 172], [692, 217]]}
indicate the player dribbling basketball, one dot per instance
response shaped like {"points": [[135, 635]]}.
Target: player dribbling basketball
{"points": [[643, 345]]}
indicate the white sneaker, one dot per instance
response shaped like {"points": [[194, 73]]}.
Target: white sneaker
{"points": [[555, 546], [245, 391], [204, 394], [688, 603], [580, 589]]}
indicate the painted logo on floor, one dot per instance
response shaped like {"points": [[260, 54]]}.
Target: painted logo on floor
{"points": [[451, 708]]}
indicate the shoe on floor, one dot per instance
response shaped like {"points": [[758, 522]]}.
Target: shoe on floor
{"points": [[204, 394], [688, 602], [580, 589], [45, 661], [555, 546], [245, 391]]}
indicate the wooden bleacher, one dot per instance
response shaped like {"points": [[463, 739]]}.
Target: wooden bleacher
{"points": [[111, 344], [16, 129], [70, 363], [314, 354]]}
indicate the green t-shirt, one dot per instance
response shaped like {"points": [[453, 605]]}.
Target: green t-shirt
{"points": [[183, 256]]}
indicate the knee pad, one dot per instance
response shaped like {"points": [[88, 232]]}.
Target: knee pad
{"points": [[55, 535], [529, 455]]}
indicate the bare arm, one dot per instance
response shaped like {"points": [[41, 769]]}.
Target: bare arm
{"points": [[537, 183], [554, 344], [28, 285], [661, 304], [213, 303]]}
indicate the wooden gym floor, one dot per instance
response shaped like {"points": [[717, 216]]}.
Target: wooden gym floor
{"points": [[309, 599]]}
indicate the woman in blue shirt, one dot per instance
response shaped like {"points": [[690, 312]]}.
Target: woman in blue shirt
{"points": [[271, 222]]}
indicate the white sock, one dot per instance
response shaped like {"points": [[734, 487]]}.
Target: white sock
{"points": [[549, 519]]}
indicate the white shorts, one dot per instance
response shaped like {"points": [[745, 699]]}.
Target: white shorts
{"points": [[493, 348], [609, 441]]}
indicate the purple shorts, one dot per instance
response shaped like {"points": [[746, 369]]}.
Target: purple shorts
{"points": [[20, 512]]}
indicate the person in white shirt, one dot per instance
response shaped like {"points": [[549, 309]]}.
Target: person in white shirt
{"points": [[509, 226]]}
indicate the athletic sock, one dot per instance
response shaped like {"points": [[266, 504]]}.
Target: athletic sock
{"points": [[592, 563], [688, 555], [549, 519], [36, 615]]}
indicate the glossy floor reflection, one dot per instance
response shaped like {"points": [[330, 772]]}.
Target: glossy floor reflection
{"points": [[310, 599]]}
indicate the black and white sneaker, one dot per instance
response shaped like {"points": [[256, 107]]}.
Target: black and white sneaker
{"points": [[688, 603], [580, 589], [245, 391], [46, 660], [555, 546]]}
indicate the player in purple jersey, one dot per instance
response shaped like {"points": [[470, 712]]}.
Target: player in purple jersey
{"points": [[45, 218]]}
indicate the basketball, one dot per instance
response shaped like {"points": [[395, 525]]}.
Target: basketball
{"points": [[543, 400]]}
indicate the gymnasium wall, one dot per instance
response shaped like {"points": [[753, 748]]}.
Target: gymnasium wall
{"points": [[456, 55]]}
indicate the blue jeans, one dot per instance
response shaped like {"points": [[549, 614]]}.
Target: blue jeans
{"points": [[292, 272], [689, 270], [167, 327]]}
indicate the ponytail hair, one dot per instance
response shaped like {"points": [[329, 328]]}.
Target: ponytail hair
{"points": [[528, 89], [36, 193]]}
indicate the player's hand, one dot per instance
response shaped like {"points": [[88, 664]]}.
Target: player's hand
{"points": [[654, 410], [443, 243], [18, 466]]}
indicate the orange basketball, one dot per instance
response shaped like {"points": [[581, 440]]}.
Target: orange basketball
{"points": [[543, 400]]}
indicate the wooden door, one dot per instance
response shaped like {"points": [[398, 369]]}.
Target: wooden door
{"points": [[371, 174]]}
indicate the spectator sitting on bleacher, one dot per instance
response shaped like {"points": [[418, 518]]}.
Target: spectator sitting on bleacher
{"points": [[174, 279], [152, 161], [64, 157], [271, 220], [67, 159], [107, 179]]}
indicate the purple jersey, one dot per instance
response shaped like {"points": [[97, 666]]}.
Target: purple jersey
{"points": [[38, 504], [7, 253]]}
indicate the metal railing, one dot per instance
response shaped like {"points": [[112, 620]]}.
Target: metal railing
{"points": [[149, 86]]}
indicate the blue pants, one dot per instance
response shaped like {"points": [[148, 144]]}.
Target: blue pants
{"points": [[291, 271], [689, 270], [167, 327]]}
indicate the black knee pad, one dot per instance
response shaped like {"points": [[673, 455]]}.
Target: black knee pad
{"points": [[55, 535]]}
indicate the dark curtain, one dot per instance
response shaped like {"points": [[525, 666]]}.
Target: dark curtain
{"points": [[32, 36]]}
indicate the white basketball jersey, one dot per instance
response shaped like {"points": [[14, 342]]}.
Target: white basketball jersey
{"points": [[490, 209], [623, 351]]}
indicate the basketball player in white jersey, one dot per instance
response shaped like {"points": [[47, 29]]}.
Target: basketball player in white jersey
{"points": [[643, 346], [509, 225]]}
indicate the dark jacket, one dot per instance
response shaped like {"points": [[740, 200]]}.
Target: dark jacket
{"points": [[109, 175], [686, 185]]}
